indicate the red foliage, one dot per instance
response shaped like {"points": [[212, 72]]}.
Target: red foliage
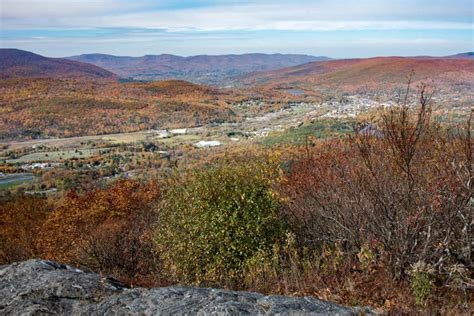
{"points": [[107, 230]]}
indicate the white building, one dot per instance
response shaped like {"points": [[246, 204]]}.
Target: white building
{"points": [[178, 131], [207, 143]]}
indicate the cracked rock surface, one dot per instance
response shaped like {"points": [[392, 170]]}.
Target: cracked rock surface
{"points": [[46, 287]]}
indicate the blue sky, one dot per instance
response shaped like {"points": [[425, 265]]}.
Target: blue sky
{"points": [[336, 28]]}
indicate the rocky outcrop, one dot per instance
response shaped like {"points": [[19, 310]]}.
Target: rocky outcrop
{"points": [[43, 287]]}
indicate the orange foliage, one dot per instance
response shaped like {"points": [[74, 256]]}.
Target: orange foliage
{"points": [[52, 107], [20, 222], [104, 229], [370, 74]]}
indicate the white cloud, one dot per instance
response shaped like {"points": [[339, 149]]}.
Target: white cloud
{"points": [[52, 9], [263, 15], [190, 27]]}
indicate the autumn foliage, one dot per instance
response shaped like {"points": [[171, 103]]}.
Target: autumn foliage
{"points": [[213, 221], [393, 202], [32, 108], [21, 221], [105, 230], [382, 217]]}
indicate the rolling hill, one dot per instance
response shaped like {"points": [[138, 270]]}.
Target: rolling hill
{"points": [[202, 68], [371, 73], [20, 63], [468, 55], [64, 107]]}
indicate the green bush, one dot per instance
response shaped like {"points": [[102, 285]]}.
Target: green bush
{"points": [[421, 282], [213, 221]]}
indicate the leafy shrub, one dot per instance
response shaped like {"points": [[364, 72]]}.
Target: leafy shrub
{"points": [[107, 230], [404, 191], [212, 221], [20, 222], [421, 282]]}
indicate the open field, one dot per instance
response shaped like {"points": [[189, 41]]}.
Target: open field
{"points": [[54, 156], [119, 138], [76, 141], [11, 180], [318, 129]]}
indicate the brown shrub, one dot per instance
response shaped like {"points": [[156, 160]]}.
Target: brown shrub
{"points": [[106, 230], [21, 218], [404, 192]]}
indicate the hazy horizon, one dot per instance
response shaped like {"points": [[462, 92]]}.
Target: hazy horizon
{"points": [[337, 29], [235, 54]]}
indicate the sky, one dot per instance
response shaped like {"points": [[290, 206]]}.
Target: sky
{"points": [[334, 28]]}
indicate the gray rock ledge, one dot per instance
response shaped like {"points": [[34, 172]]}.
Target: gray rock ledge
{"points": [[46, 287]]}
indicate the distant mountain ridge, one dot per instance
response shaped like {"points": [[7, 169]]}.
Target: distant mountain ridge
{"points": [[212, 69], [370, 73], [246, 69], [20, 63], [467, 55]]}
